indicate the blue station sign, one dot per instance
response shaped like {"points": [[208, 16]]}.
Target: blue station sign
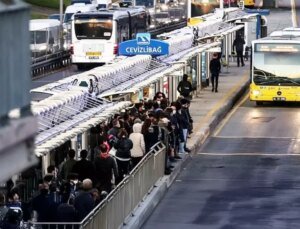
{"points": [[143, 45]]}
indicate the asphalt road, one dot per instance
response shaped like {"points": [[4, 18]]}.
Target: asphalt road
{"points": [[55, 76], [246, 176]]}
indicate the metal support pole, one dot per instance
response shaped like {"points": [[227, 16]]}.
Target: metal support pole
{"points": [[74, 146], [198, 73], [221, 4], [85, 144], [227, 52], [61, 11]]}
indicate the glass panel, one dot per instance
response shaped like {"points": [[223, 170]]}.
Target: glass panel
{"points": [[32, 39], [68, 17], [40, 37], [93, 29], [203, 67], [276, 68]]}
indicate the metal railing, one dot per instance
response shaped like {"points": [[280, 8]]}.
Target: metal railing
{"points": [[121, 202], [44, 64]]}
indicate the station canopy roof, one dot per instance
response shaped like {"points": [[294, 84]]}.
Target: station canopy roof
{"points": [[72, 110], [67, 114]]}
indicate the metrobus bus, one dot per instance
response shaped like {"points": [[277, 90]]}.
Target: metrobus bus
{"points": [[249, 3], [275, 70], [96, 35]]}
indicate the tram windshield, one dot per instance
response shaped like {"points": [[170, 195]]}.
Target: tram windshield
{"points": [[38, 37], [93, 28], [275, 64]]}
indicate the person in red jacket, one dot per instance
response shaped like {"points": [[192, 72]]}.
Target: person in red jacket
{"points": [[105, 168]]}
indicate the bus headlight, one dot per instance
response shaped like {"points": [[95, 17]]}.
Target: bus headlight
{"points": [[43, 48], [256, 92]]}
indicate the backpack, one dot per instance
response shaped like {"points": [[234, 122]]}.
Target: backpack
{"points": [[12, 218], [185, 88]]}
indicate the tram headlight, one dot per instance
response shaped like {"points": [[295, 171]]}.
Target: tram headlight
{"points": [[256, 92]]}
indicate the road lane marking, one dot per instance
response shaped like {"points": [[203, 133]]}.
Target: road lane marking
{"points": [[257, 136], [229, 115], [219, 104], [249, 154]]}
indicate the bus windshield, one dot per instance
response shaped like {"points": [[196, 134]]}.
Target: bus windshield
{"points": [[38, 37], [93, 28], [276, 68], [68, 17]]}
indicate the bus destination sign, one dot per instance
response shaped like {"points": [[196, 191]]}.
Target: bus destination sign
{"points": [[269, 47]]}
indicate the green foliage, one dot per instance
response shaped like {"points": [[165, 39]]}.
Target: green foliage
{"points": [[38, 16], [54, 4]]}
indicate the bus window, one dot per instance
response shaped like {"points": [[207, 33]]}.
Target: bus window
{"points": [[40, 37], [32, 39], [93, 29]]}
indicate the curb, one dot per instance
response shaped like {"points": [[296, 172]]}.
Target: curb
{"points": [[147, 206]]}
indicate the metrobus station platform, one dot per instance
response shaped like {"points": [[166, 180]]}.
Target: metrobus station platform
{"points": [[80, 102], [207, 110]]}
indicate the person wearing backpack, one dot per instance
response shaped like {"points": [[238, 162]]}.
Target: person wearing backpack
{"points": [[13, 216], [185, 87]]}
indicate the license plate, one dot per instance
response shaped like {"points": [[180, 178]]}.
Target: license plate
{"points": [[93, 57], [278, 98], [93, 53]]}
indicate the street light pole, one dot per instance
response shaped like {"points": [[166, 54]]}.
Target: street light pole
{"points": [[61, 11], [61, 35], [221, 4]]}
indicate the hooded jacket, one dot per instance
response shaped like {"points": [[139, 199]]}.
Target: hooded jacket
{"points": [[138, 141]]}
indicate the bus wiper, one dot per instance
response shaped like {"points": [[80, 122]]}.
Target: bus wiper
{"points": [[280, 79], [286, 79]]}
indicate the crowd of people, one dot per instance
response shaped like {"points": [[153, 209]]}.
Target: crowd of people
{"points": [[69, 191]]}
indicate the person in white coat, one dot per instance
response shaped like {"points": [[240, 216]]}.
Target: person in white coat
{"points": [[137, 138]]}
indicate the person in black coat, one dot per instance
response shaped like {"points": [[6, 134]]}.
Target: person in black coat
{"points": [[185, 87], [44, 205], [84, 202], [66, 211], [238, 44], [84, 168], [151, 132], [123, 147], [105, 166], [215, 67]]}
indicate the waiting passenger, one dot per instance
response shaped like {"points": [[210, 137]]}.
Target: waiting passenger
{"points": [[84, 168], [84, 202], [68, 165], [185, 87], [138, 150], [123, 147], [105, 168]]}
